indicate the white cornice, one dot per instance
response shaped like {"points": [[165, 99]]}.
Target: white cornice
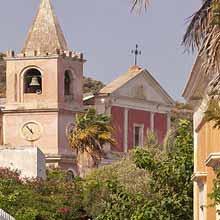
{"points": [[213, 160], [196, 82], [199, 176], [146, 107]]}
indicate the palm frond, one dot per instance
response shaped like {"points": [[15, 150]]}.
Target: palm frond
{"points": [[92, 131], [106, 137], [140, 4], [214, 88], [198, 26], [210, 51]]}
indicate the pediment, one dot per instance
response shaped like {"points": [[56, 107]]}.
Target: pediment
{"points": [[144, 87]]}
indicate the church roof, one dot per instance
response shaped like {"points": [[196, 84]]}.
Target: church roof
{"points": [[197, 83], [121, 80], [45, 34], [133, 72]]}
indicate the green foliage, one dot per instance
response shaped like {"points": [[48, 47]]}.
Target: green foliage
{"points": [[91, 132], [113, 192], [149, 184], [170, 182], [91, 86], [51, 199], [213, 113], [180, 105], [151, 139], [181, 111], [215, 194]]}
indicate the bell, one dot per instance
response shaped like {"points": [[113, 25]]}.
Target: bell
{"points": [[34, 81]]}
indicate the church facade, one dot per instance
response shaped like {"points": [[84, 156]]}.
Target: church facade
{"points": [[136, 103], [43, 90]]}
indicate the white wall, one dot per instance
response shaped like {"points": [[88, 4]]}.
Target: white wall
{"points": [[30, 161]]}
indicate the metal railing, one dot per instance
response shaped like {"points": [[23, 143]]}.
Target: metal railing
{"points": [[5, 216]]}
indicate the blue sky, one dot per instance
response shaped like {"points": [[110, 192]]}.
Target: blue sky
{"points": [[106, 32]]}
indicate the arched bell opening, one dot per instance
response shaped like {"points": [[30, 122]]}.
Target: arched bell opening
{"points": [[67, 83], [33, 81], [68, 86]]}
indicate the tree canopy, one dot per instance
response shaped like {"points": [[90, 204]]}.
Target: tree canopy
{"points": [[91, 85]]}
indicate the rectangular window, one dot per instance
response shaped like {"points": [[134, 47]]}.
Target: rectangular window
{"points": [[138, 135]]}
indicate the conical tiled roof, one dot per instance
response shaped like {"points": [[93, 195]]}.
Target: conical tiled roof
{"points": [[45, 34]]}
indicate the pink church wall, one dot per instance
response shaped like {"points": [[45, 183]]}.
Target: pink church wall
{"points": [[160, 126], [137, 117], [48, 142], [76, 69], [118, 124], [14, 92], [65, 118]]}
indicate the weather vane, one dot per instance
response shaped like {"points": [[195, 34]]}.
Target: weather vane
{"points": [[136, 52]]}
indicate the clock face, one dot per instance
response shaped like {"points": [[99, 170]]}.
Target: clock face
{"points": [[69, 129], [31, 131]]}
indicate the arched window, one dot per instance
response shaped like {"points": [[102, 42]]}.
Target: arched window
{"points": [[33, 81], [67, 83]]}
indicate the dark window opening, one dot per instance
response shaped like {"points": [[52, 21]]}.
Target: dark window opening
{"points": [[33, 81], [67, 83], [137, 134]]}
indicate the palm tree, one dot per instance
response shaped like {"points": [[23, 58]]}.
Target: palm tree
{"points": [[203, 33], [140, 4], [92, 131]]}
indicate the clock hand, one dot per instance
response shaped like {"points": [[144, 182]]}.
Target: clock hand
{"points": [[29, 129]]}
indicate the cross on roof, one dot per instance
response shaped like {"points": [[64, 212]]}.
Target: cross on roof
{"points": [[136, 52]]}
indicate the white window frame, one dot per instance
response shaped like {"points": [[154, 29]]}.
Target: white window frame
{"points": [[141, 135]]}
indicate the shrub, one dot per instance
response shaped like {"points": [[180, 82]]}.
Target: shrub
{"points": [[114, 191], [38, 199]]}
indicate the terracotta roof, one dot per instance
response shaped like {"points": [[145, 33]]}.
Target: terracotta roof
{"points": [[45, 34], [121, 80]]}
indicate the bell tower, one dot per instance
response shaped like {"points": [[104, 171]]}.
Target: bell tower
{"points": [[44, 90]]}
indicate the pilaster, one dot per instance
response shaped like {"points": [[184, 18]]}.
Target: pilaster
{"points": [[152, 121], [168, 121], [125, 130]]}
